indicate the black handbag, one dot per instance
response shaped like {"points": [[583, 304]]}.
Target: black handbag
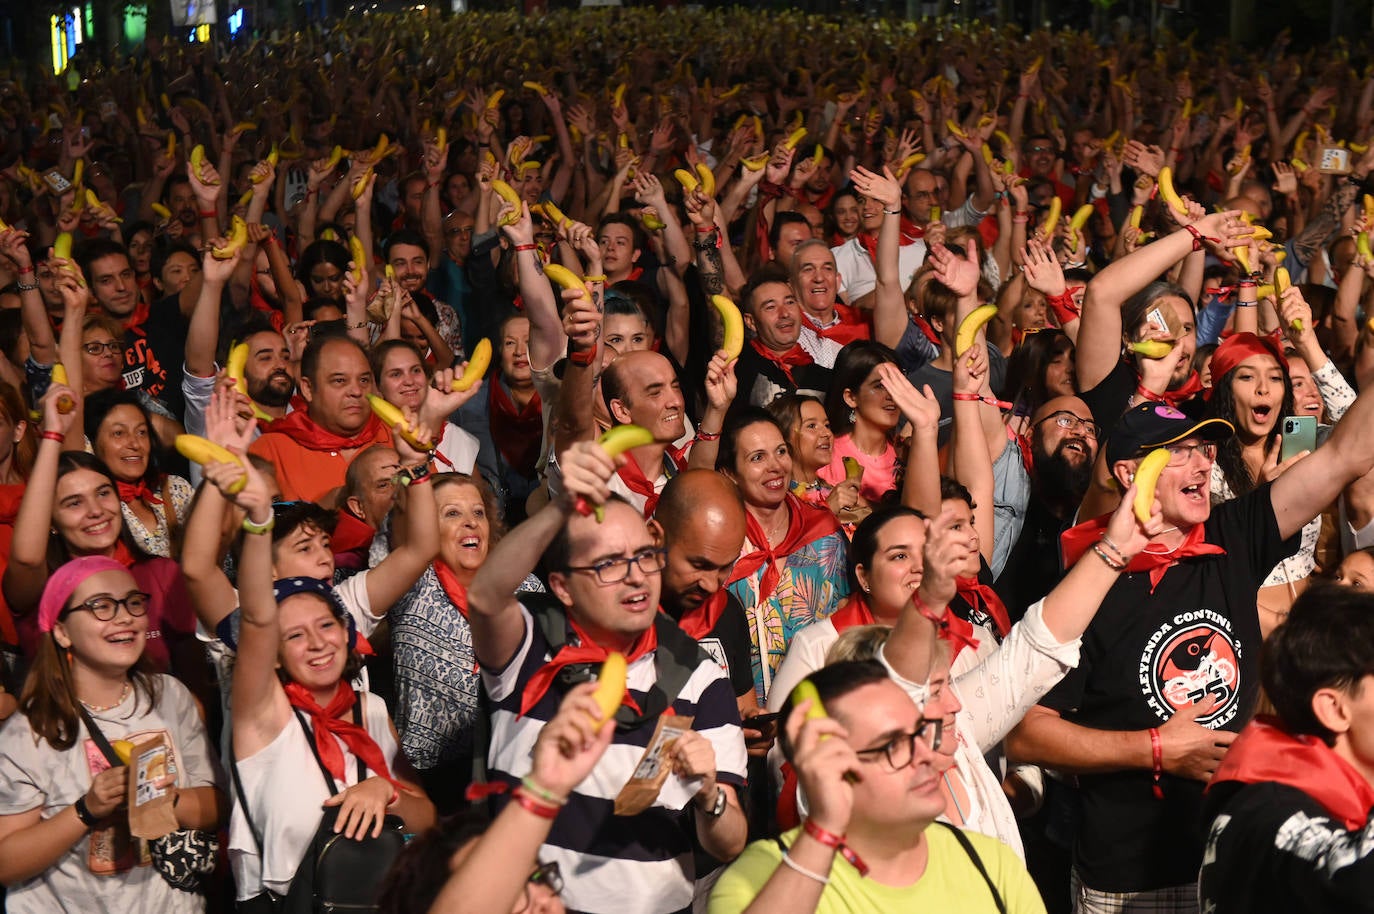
{"points": [[337, 874], [185, 857]]}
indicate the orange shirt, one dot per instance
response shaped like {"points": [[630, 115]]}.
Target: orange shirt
{"points": [[305, 474]]}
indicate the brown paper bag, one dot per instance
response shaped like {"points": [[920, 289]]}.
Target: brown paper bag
{"points": [[152, 789], [653, 769]]}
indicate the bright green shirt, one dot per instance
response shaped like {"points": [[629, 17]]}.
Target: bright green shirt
{"points": [[950, 883]]}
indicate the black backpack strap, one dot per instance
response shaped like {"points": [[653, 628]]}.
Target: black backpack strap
{"points": [[978, 864], [99, 738], [243, 800], [314, 750]]}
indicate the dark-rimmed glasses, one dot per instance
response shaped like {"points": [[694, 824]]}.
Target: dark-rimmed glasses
{"points": [[613, 571], [105, 607], [901, 749]]}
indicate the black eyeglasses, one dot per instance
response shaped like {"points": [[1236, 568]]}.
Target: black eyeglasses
{"points": [[613, 571], [106, 607], [547, 875], [1070, 422], [901, 749], [113, 347]]}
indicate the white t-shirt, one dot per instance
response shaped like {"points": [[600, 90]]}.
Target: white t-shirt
{"points": [[107, 870], [286, 792]]}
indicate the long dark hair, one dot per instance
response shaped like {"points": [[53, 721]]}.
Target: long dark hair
{"points": [[853, 365], [1027, 365], [1222, 405]]}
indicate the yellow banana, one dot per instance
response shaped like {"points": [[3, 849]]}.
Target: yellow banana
{"points": [[1137, 212], [477, 366], [245, 126], [689, 181], [622, 438], [171, 144], [618, 97], [1166, 190], [953, 127], [359, 256], [335, 157], [1152, 349], [970, 325], [162, 211], [1146, 478], [566, 278], [203, 451], [818, 155], [65, 404], [732, 341], [554, 214], [853, 470], [198, 164], [708, 179], [123, 749], [651, 222], [507, 193], [391, 416], [1362, 245], [360, 184], [62, 246], [795, 138], [756, 163], [78, 172], [234, 241], [536, 88], [1080, 219], [804, 691], [380, 150], [1051, 223], [610, 686], [1281, 283]]}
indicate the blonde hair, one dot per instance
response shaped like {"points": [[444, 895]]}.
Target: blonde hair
{"points": [[858, 642]]}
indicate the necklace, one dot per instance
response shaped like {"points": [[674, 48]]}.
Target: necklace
{"points": [[123, 694]]}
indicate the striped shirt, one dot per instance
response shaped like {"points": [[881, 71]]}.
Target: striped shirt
{"points": [[612, 863]]}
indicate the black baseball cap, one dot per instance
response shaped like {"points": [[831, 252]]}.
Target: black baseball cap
{"points": [[1152, 424]]}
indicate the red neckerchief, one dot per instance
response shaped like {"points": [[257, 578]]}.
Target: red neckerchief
{"points": [[1264, 751], [517, 433], [140, 315], [327, 725], [1023, 444], [927, 331], [350, 541], [794, 357], [851, 325], [698, 623], [122, 555], [300, 428], [457, 593], [976, 592], [950, 626], [820, 199], [1178, 395], [911, 233], [1075, 541], [852, 612], [635, 479], [128, 491], [634, 275], [259, 302], [586, 651], [805, 524]]}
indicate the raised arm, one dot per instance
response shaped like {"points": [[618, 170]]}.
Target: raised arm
{"points": [[494, 614], [33, 314], [418, 514], [546, 329], [889, 305]]}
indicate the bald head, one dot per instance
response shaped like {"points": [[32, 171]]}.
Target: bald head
{"points": [[703, 521], [700, 499], [1074, 405]]}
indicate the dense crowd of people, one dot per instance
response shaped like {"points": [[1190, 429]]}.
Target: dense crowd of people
{"points": [[960, 437]]}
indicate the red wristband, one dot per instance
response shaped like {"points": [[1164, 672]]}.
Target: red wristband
{"points": [[704, 229], [582, 357], [530, 804], [962, 397], [1063, 306], [526, 247], [211, 214], [1148, 394], [1156, 762], [54, 436], [830, 839], [23, 270]]}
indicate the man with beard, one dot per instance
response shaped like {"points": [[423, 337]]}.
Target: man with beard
{"points": [[270, 382], [1063, 445]]}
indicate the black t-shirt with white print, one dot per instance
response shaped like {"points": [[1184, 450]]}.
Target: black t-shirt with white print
{"points": [[1143, 657]]}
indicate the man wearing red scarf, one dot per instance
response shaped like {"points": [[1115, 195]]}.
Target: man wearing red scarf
{"points": [[1168, 671], [606, 579], [816, 280], [784, 354], [1289, 810], [311, 449]]}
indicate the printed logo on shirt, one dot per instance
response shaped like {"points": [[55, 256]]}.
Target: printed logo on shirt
{"points": [[716, 649], [1193, 655]]}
